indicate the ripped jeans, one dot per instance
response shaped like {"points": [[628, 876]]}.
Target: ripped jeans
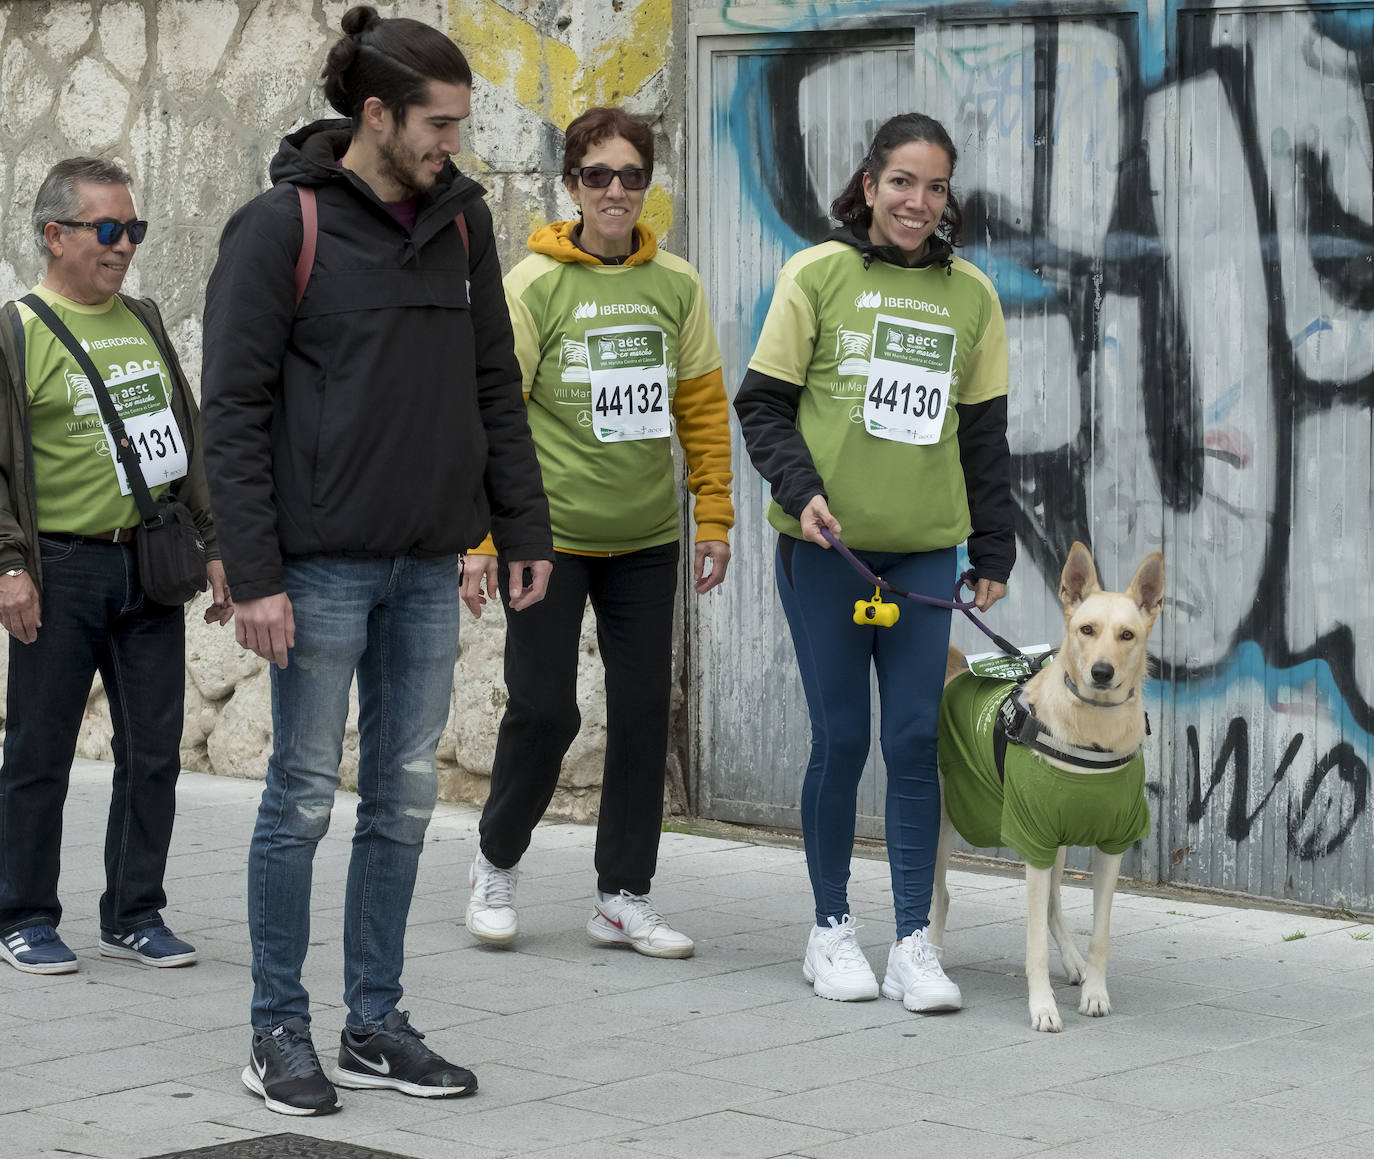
{"points": [[394, 622]]}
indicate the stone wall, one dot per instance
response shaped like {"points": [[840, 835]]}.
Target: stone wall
{"points": [[193, 96]]}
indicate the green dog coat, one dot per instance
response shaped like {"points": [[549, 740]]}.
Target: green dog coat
{"points": [[1038, 807]]}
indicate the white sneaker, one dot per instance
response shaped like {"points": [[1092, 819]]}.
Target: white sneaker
{"points": [[836, 965], [491, 909], [914, 976], [630, 919]]}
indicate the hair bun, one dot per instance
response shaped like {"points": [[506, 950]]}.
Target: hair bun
{"points": [[358, 20]]}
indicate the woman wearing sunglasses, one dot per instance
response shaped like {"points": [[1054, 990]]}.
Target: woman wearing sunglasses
{"points": [[616, 349]]}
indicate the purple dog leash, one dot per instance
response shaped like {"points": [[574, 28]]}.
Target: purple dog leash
{"points": [[968, 607]]}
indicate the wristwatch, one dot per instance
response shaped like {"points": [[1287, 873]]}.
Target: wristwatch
{"points": [[14, 571]]}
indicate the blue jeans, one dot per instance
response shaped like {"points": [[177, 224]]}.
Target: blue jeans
{"points": [[95, 619], [393, 621], [818, 590]]}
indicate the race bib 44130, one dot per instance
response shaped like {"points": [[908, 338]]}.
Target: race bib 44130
{"points": [[909, 379], [629, 379]]}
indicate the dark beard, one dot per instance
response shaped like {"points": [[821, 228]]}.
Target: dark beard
{"points": [[393, 159]]}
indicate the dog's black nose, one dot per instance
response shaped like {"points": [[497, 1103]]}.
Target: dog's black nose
{"points": [[1102, 672]]}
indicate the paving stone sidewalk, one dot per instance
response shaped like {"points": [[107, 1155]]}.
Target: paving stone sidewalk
{"points": [[1226, 1038]]}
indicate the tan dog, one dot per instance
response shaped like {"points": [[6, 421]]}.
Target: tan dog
{"points": [[1087, 720]]}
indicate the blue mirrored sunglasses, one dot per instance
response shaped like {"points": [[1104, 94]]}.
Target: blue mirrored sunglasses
{"points": [[109, 232]]}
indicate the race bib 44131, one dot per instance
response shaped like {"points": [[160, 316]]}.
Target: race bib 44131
{"points": [[141, 401], [629, 379], [909, 380]]}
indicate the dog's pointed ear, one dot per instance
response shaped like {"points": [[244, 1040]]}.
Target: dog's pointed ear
{"points": [[1147, 585], [1079, 578]]}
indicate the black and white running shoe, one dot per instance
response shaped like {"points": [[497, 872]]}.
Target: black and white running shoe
{"points": [[393, 1057], [284, 1069]]}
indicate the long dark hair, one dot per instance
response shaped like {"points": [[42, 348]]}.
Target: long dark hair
{"points": [[850, 208], [393, 60]]}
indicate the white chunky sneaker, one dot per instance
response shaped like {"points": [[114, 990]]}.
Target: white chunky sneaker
{"points": [[630, 919], [835, 963], [491, 909], [915, 979]]}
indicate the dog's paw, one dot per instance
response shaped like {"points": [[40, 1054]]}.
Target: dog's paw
{"points": [[1076, 971], [1095, 1003], [1046, 1019]]}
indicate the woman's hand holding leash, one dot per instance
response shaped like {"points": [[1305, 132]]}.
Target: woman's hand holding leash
{"points": [[987, 593], [815, 516]]}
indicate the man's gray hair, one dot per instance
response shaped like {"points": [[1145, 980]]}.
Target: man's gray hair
{"points": [[57, 198]]}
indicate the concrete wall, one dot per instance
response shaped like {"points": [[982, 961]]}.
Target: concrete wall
{"points": [[193, 96]]}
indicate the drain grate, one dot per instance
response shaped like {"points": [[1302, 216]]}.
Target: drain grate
{"points": [[282, 1147]]}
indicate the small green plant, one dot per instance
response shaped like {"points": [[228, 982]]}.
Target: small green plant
{"points": [[1364, 937], [1177, 913], [1295, 936]]}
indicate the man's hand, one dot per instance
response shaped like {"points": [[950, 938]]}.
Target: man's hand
{"points": [[522, 594], [987, 593], [221, 609], [19, 607], [816, 515], [266, 626], [479, 581], [717, 553]]}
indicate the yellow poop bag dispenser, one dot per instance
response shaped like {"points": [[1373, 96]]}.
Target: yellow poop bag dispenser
{"points": [[874, 612]]}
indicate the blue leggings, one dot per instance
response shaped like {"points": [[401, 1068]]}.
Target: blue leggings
{"points": [[818, 589]]}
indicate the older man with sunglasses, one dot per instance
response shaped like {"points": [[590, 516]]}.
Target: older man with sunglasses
{"points": [[70, 593]]}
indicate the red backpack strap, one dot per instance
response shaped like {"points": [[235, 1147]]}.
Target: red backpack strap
{"points": [[462, 221], [310, 229]]}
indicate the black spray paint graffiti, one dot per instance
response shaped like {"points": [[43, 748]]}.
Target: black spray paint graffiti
{"points": [[1213, 293]]}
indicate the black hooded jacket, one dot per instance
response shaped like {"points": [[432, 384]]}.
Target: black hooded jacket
{"points": [[384, 414]]}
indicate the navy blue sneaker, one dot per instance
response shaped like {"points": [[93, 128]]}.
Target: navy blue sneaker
{"points": [[37, 950], [394, 1057], [154, 946]]}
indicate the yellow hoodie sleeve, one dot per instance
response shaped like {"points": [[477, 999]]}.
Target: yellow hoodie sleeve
{"points": [[703, 428]]}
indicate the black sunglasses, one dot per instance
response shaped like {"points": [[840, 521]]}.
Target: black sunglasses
{"points": [[600, 176], [109, 232]]}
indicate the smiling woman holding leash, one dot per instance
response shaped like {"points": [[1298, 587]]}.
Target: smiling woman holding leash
{"points": [[876, 406], [616, 350]]}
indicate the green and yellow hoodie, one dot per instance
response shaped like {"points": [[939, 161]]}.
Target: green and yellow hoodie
{"points": [[611, 497]]}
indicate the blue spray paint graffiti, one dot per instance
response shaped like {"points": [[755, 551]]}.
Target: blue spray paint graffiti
{"points": [[1191, 299]]}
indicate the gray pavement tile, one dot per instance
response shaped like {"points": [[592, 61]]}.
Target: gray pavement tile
{"points": [[1269, 925], [123, 1068], [1361, 979], [362, 1113], [925, 1135], [726, 1034], [558, 1026], [1356, 1147], [39, 999], [795, 1068], [774, 981], [932, 1037], [1249, 1128], [526, 990], [1054, 1117], [676, 1001], [667, 1097], [1240, 972], [500, 1085], [824, 1016], [608, 1060], [864, 1105], [533, 1126], [22, 1090], [1314, 1000], [414, 1146], [128, 1112], [1337, 949], [1208, 1026], [1291, 1059], [591, 1149], [86, 1034], [1343, 1096], [1175, 1087], [1354, 1034], [1049, 1060], [729, 1135]]}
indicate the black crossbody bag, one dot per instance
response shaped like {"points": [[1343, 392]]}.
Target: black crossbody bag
{"points": [[171, 553]]}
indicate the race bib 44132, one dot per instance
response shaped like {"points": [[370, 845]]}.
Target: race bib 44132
{"points": [[629, 379], [909, 380]]}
